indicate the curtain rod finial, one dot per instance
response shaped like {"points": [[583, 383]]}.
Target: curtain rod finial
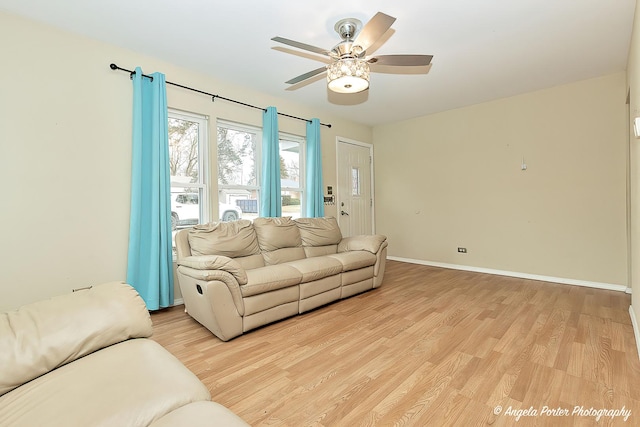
{"points": [[113, 66]]}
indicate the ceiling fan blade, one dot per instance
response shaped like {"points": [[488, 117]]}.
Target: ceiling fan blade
{"points": [[373, 30], [402, 60], [306, 76], [300, 45]]}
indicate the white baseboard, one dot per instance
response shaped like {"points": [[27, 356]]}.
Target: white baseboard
{"points": [[561, 280], [636, 332]]}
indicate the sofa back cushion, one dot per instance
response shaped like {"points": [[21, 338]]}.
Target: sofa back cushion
{"points": [[42, 336], [320, 236], [231, 239], [319, 231], [279, 239]]}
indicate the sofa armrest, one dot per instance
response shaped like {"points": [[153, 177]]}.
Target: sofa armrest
{"points": [[215, 275], [216, 262], [369, 243]]}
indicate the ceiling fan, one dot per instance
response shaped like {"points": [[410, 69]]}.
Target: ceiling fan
{"points": [[349, 70]]}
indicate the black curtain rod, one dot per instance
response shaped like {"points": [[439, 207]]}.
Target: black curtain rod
{"points": [[213, 96]]}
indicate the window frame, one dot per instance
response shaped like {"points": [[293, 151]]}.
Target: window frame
{"points": [[203, 184]]}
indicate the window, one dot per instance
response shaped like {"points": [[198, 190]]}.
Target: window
{"points": [[188, 169], [292, 174], [355, 181], [239, 167], [239, 161]]}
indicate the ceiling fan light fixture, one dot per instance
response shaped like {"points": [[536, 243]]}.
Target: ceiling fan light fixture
{"points": [[349, 75]]}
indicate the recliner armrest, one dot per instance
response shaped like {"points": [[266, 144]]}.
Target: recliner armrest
{"points": [[216, 262], [218, 275], [370, 243]]}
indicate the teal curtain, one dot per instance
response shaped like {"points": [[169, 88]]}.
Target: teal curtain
{"points": [[150, 260], [270, 197], [315, 196]]}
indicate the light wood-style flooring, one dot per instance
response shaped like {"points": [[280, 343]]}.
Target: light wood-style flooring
{"points": [[431, 347]]}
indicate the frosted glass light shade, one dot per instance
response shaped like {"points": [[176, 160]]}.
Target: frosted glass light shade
{"points": [[348, 75]]}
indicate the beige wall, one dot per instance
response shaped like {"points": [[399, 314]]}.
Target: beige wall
{"points": [[442, 181], [633, 84], [454, 179], [65, 121]]}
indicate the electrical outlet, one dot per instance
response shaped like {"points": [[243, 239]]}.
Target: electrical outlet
{"points": [[462, 250]]}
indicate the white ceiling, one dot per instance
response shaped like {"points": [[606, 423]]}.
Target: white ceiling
{"points": [[483, 50]]}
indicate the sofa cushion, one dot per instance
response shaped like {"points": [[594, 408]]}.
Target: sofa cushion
{"points": [[231, 239], [277, 233], [131, 383], [355, 259], [36, 338], [316, 268], [319, 231], [270, 278], [311, 251]]}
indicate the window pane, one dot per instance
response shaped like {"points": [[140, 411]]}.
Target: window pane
{"points": [[183, 150], [243, 201], [185, 207], [291, 203], [355, 181], [236, 157], [289, 164], [291, 179]]}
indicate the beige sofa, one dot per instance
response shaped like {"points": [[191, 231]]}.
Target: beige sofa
{"points": [[83, 359], [240, 275]]}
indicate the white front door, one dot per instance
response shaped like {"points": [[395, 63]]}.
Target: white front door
{"points": [[355, 187]]}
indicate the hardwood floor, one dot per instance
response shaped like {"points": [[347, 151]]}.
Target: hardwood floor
{"points": [[432, 347]]}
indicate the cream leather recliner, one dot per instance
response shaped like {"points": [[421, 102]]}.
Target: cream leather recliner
{"points": [[84, 359]]}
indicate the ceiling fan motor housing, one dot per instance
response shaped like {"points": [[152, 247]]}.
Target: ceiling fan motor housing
{"points": [[347, 29], [347, 49]]}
